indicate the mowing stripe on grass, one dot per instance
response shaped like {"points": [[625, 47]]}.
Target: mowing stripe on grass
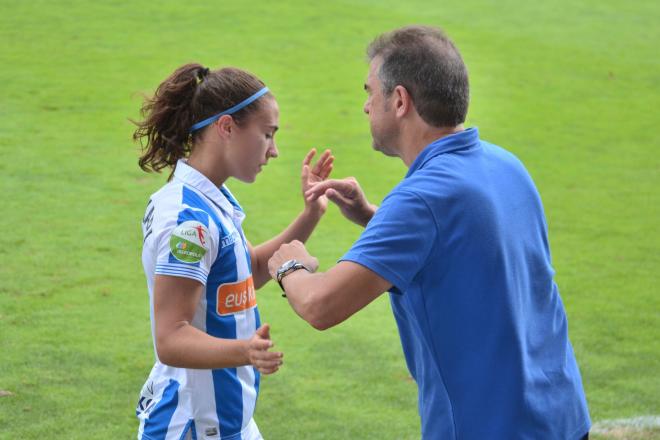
{"points": [[634, 423]]}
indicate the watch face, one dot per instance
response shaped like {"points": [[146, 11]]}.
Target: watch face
{"points": [[286, 266]]}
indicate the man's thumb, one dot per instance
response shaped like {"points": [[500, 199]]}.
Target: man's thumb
{"points": [[334, 196]]}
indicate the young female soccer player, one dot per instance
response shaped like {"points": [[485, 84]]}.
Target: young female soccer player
{"points": [[201, 271]]}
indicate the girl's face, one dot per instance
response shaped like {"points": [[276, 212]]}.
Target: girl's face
{"points": [[253, 143]]}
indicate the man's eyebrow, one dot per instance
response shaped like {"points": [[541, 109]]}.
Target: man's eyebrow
{"points": [[274, 127], [366, 87]]}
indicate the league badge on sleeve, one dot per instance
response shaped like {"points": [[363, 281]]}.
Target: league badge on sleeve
{"points": [[189, 241]]}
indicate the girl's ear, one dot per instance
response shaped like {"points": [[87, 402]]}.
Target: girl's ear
{"points": [[224, 126]]}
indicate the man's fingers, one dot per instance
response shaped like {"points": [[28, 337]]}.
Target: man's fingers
{"points": [[314, 264], [337, 198], [272, 267], [312, 196], [343, 186]]}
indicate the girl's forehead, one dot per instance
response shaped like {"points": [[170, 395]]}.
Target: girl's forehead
{"points": [[269, 110], [270, 103]]}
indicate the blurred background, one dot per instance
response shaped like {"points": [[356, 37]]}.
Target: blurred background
{"points": [[572, 88]]}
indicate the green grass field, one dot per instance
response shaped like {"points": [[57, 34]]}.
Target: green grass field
{"points": [[572, 88]]}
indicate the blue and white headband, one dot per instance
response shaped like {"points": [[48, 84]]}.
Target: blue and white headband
{"points": [[229, 111]]}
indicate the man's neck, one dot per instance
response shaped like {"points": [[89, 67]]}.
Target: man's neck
{"points": [[417, 136]]}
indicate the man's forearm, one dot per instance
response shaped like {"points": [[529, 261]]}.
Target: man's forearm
{"points": [[324, 299], [307, 294], [367, 215]]}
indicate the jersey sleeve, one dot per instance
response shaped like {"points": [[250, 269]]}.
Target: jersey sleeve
{"points": [[187, 246], [397, 241]]}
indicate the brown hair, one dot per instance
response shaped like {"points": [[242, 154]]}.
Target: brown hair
{"points": [[190, 94], [424, 61]]}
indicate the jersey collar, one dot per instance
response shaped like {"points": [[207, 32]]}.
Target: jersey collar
{"points": [[219, 196], [463, 139]]}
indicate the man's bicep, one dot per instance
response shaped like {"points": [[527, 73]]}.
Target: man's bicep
{"points": [[398, 241]]}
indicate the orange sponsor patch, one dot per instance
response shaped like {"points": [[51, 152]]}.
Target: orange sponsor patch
{"points": [[236, 297]]}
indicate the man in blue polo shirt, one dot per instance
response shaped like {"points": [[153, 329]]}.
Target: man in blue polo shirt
{"points": [[461, 245]]}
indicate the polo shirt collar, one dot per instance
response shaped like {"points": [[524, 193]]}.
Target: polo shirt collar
{"points": [[219, 196], [463, 139]]}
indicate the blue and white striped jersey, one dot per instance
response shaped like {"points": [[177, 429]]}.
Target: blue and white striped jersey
{"points": [[192, 229]]}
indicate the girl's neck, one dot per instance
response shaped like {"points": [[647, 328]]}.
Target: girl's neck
{"points": [[210, 165]]}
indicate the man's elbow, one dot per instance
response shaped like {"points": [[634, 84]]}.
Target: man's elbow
{"points": [[320, 323], [317, 313]]}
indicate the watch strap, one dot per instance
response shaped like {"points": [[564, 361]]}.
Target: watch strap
{"points": [[281, 274]]}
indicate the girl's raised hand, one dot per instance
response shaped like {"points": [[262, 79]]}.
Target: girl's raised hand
{"points": [[312, 175]]}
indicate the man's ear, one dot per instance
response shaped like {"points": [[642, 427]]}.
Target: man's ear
{"points": [[402, 101], [224, 126]]}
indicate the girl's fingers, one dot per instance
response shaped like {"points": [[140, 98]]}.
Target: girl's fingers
{"points": [[269, 364], [268, 371], [321, 162], [267, 356], [308, 158], [305, 174], [325, 172]]}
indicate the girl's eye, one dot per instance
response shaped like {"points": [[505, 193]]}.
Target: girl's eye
{"points": [[269, 136]]}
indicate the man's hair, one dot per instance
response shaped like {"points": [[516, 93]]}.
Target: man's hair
{"points": [[424, 61]]}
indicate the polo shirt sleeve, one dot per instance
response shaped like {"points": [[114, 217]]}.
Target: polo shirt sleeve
{"points": [[187, 246], [398, 240]]}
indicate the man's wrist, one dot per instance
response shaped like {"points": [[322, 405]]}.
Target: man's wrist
{"points": [[287, 269], [369, 212], [290, 279]]}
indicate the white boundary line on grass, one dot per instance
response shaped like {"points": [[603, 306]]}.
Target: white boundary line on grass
{"points": [[636, 423]]}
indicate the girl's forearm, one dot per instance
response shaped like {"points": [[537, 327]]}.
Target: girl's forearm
{"points": [[300, 229]]}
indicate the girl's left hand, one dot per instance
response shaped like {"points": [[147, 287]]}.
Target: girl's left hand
{"points": [[312, 175]]}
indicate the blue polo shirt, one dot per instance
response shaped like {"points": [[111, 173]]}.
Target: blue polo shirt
{"points": [[463, 240]]}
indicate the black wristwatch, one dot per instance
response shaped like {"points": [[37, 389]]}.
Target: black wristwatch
{"points": [[286, 268]]}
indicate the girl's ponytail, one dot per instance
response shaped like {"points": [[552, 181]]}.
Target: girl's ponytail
{"points": [[165, 131]]}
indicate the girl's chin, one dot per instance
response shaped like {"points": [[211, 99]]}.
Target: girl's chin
{"points": [[248, 179]]}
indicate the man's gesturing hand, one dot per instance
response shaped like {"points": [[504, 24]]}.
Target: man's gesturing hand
{"points": [[347, 195]]}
